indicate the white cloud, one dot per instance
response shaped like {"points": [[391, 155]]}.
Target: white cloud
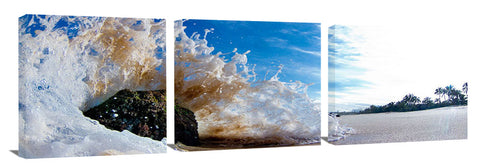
{"points": [[315, 53], [275, 40]]}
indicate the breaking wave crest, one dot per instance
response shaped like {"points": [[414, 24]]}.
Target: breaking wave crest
{"points": [[231, 105]]}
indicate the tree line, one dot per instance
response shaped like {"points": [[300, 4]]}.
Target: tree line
{"points": [[447, 96]]}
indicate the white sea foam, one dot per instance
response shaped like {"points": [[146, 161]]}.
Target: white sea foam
{"points": [[336, 131], [69, 64]]}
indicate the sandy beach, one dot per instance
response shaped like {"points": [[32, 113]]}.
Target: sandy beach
{"points": [[426, 125]]}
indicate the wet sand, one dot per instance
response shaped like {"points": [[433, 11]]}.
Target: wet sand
{"points": [[185, 148], [426, 125]]}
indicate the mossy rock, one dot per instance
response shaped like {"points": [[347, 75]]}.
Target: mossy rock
{"points": [[186, 127], [140, 112]]}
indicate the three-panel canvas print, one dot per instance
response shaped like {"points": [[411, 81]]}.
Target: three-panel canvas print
{"points": [[91, 86]]}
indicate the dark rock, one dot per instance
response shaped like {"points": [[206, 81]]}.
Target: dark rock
{"points": [[140, 112], [186, 127]]}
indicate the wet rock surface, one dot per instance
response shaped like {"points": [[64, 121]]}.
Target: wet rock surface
{"points": [[140, 112], [186, 127]]}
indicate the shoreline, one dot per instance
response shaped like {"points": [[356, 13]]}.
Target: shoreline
{"points": [[358, 113]]}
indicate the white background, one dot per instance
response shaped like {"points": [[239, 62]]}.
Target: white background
{"points": [[458, 19]]}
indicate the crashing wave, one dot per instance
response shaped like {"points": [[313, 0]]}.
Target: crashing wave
{"points": [[230, 104], [68, 64]]}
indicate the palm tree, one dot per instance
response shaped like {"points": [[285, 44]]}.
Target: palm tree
{"points": [[407, 98], [427, 101], [464, 98], [439, 91], [415, 100], [444, 92], [457, 96], [465, 88], [448, 91], [411, 99]]}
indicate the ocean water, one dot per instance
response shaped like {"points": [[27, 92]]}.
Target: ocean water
{"points": [[71, 63], [235, 107]]}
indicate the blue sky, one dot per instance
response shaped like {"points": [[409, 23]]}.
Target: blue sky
{"points": [[380, 64], [296, 46]]}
